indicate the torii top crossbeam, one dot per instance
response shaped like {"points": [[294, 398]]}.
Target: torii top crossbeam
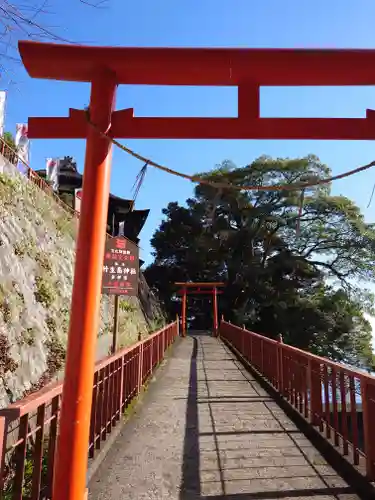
{"points": [[248, 69], [205, 288], [204, 284], [201, 66]]}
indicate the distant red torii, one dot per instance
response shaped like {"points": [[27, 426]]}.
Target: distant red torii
{"points": [[191, 288]]}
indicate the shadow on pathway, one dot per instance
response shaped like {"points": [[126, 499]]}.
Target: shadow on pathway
{"points": [[207, 430]]}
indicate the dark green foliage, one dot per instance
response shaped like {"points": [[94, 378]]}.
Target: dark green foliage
{"points": [[126, 306], [303, 284], [45, 292], [10, 469], [6, 362], [28, 336], [56, 355], [9, 140], [68, 199]]}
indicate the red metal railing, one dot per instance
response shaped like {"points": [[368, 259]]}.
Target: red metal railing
{"points": [[12, 156], [8, 152], [29, 428], [339, 400]]}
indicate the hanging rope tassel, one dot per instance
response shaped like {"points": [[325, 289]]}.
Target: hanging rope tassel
{"points": [[139, 181], [298, 222], [372, 195]]}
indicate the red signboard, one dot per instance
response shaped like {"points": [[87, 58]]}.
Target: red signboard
{"points": [[120, 268]]}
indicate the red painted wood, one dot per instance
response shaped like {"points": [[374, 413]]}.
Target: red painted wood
{"points": [[201, 66]]}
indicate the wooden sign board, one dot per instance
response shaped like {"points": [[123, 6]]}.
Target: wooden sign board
{"points": [[120, 268]]}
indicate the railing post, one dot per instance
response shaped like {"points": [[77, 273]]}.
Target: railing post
{"points": [[157, 338], [38, 452], [220, 324], [140, 367], [121, 395], [368, 422], [160, 346], [251, 349], [20, 457], [243, 340], [315, 388], [279, 368], [178, 325], [52, 442], [3, 447]]}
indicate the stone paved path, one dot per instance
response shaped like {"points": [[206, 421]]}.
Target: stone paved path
{"points": [[207, 430]]}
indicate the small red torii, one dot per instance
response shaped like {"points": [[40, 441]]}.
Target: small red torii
{"points": [[191, 288], [107, 67]]}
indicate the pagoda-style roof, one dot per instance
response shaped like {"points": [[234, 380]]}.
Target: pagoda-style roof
{"points": [[119, 206], [68, 179], [119, 209], [134, 222]]}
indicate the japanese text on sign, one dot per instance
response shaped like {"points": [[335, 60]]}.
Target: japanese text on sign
{"points": [[120, 268]]}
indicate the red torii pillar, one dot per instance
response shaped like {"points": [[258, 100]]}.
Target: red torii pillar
{"points": [[71, 466]]}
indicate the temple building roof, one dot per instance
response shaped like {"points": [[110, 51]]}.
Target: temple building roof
{"points": [[121, 220]]}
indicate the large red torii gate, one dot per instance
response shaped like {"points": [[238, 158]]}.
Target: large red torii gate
{"points": [[105, 68]]}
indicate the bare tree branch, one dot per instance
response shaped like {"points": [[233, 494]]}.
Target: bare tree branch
{"points": [[20, 19], [97, 5]]}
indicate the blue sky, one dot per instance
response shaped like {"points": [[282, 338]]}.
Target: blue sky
{"points": [[206, 23]]}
